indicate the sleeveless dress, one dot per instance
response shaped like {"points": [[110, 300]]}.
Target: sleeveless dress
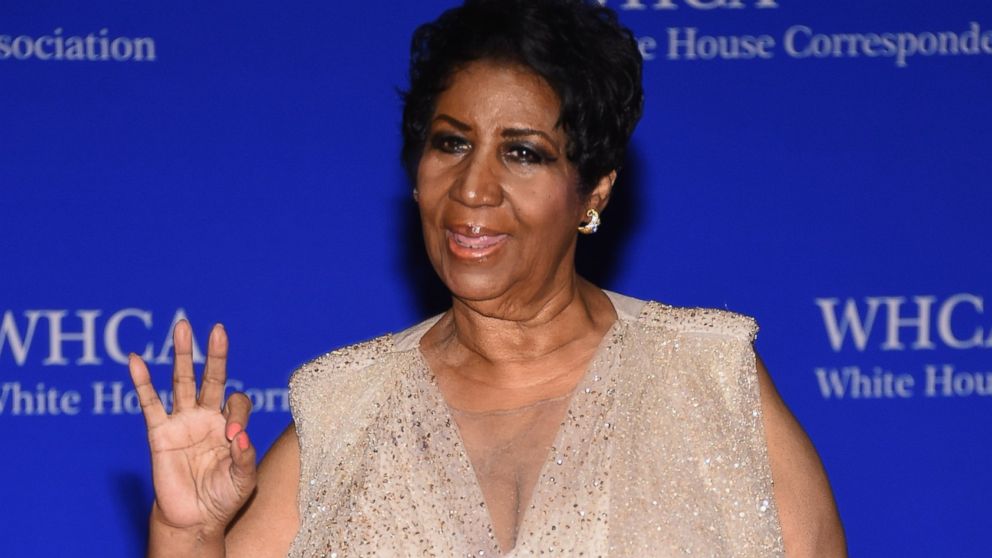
{"points": [[661, 451]]}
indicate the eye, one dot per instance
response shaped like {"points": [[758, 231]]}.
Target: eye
{"points": [[525, 154], [449, 143]]}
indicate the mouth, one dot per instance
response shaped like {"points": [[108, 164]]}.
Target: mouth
{"points": [[473, 241]]}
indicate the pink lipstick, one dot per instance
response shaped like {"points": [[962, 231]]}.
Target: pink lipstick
{"points": [[473, 241]]}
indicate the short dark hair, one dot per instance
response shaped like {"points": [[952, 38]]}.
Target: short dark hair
{"points": [[579, 48]]}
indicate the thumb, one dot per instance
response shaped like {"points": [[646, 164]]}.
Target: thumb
{"points": [[243, 464]]}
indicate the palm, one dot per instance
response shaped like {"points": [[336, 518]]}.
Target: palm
{"points": [[201, 477], [191, 462]]}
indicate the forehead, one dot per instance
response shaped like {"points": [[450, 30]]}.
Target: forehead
{"points": [[488, 94]]}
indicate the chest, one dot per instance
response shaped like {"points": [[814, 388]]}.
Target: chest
{"points": [[647, 458], [508, 451]]}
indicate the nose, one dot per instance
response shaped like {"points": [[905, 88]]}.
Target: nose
{"points": [[478, 185]]}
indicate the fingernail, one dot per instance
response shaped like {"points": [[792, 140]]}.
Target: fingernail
{"points": [[243, 441], [232, 430]]}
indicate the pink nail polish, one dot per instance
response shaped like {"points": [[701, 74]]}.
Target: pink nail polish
{"points": [[243, 441], [232, 430]]}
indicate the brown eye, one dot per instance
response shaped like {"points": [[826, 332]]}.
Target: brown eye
{"points": [[448, 143], [525, 154]]}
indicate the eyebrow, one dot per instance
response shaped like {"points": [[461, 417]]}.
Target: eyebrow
{"points": [[521, 132], [458, 124], [507, 133]]}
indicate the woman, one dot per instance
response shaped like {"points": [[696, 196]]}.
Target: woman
{"points": [[538, 414]]}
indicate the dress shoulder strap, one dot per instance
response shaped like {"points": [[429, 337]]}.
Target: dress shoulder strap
{"points": [[701, 321]]}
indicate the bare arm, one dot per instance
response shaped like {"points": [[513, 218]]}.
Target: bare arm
{"points": [[267, 525], [810, 524]]}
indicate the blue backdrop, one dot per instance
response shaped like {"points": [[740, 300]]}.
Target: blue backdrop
{"points": [[823, 166]]}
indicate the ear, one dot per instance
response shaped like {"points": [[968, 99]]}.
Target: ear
{"points": [[600, 195]]}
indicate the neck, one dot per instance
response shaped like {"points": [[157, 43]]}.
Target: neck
{"points": [[523, 344]]}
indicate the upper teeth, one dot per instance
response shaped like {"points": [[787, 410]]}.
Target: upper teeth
{"points": [[476, 242], [476, 229]]}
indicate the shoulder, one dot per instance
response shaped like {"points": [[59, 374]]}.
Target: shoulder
{"points": [[332, 394], [706, 347], [697, 321], [357, 357], [341, 361], [353, 371], [342, 375]]}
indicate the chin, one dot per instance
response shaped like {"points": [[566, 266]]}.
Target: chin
{"points": [[474, 287]]}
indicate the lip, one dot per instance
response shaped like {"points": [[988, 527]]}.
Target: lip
{"points": [[473, 242]]}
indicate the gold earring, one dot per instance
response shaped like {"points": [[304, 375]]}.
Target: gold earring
{"points": [[592, 225]]}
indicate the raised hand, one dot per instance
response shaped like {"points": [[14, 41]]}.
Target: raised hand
{"points": [[203, 463]]}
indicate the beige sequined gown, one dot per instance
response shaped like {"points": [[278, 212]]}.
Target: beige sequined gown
{"points": [[660, 451]]}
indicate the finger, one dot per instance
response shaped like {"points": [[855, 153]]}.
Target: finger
{"points": [[151, 405], [215, 372], [237, 411], [243, 464], [183, 378]]}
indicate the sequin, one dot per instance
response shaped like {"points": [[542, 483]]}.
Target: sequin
{"points": [[661, 451]]}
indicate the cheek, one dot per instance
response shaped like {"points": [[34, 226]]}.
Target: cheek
{"points": [[434, 164], [546, 205], [429, 220], [429, 190], [431, 216]]}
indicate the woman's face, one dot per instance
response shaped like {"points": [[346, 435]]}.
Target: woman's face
{"points": [[499, 201]]}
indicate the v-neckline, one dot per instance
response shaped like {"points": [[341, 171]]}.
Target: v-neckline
{"points": [[592, 375]]}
